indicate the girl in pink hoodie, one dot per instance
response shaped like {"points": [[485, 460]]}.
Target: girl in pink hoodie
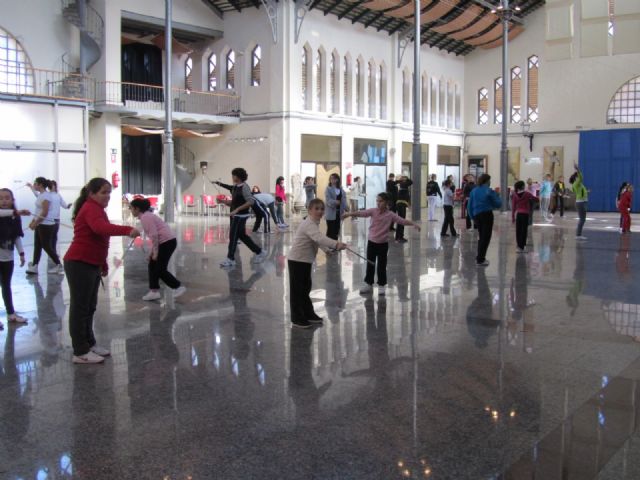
{"points": [[521, 201]]}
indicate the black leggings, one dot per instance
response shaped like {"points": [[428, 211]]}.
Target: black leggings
{"points": [[45, 238], [237, 232], [158, 268], [522, 227], [448, 221], [333, 228], [377, 253], [84, 283], [6, 272], [401, 209], [299, 290]]}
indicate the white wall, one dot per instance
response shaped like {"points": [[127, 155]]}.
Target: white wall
{"points": [[573, 95]]}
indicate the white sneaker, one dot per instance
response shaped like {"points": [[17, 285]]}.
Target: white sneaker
{"points": [[382, 290], [103, 352], [179, 291], [56, 269], [227, 263], [152, 295], [366, 289], [259, 257], [32, 269], [88, 358], [580, 237]]}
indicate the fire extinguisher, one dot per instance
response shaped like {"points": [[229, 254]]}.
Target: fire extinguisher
{"points": [[115, 179], [349, 179]]}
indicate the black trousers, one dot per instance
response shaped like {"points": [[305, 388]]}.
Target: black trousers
{"points": [[333, 228], [522, 226], [484, 221], [401, 210], [392, 207], [448, 221], [558, 204], [84, 283], [237, 232], [45, 238], [299, 290], [377, 253], [262, 213], [6, 272], [158, 268]]}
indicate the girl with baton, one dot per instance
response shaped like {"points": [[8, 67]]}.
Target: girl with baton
{"points": [[378, 245]]}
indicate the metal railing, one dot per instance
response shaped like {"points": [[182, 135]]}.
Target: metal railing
{"points": [[151, 97], [86, 18], [36, 82]]}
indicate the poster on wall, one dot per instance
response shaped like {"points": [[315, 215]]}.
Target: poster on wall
{"points": [[553, 162], [513, 165]]}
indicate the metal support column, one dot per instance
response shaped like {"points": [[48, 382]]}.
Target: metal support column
{"points": [[169, 161], [416, 157], [505, 13]]}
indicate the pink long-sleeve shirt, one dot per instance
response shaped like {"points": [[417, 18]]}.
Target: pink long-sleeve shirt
{"points": [[381, 223], [154, 228], [521, 203]]}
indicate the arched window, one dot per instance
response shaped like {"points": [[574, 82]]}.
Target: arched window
{"points": [[371, 86], [458, 106], [434, 101], [346, 97], [188, 73], [451, 100], [231, 70], [256, 60], [333, 82], [516, 97], [425, 99], [16, 74], [442, 102], [532, 89], [319, 84], [406, 96], [625, 104], [304, 81], [483, 106], [213, 72], [497, 100], [358, 86], [383, 92]]}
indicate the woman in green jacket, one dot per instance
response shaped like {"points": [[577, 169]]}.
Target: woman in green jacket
{"points": [[582, 197]]}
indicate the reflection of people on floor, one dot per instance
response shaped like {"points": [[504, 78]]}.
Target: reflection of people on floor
{"points": [[50, 312], [398, 275], [578, 281], [243, 326], [521, 308], [336, 293], [480, 323], [467, 263], [623, 266], [447, 265], [302, 388], [14, 400]]}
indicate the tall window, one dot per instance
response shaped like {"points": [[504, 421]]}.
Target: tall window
{"points": [[346, 99], [625, 104], [16, 75], [231, 70], [483, 106], [371, 76], [434, 101], [383, 92], [256, 60], [406, 96], [516, 95], [317, 69], [611, 29], [497, 99], [213, 72], [458, 106], [442, 102], [333, 80], [358, 80], [188, 73], [532, 89], [304, 81], [451, 100], [425, 99]]}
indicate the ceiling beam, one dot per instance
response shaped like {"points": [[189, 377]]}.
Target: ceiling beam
{"points": [[234, 4], [386, 24], [373, 19], [214, 8], [314, 4], [349, 10], [328, 10], [359, 16]]}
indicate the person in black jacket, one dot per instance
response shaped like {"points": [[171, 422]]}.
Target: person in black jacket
{"points": [[404, 200], [392, 191], [469, 185], [433, 192]]}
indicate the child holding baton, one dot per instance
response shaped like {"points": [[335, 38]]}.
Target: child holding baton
{"points": [[378, 245]]}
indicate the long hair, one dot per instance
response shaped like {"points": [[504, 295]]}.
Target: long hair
{"points": [[94, 186], [336, 176], [278, 180], [10, 227], [43, 181]]}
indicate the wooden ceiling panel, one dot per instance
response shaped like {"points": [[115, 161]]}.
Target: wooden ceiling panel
{"points": [[513, 33], [490, 36], [438, 11], [461, 21], [382, 4], [480, 26], [407, 9]]}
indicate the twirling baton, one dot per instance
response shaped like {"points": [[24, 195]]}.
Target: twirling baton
{"points": [[116, 269]]}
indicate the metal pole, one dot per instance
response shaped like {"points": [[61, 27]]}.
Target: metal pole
{"points": [[506, 116], [168, 128], [416, 157]]}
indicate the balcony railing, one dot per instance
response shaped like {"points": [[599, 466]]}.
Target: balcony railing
{"points": [[137, 96], [22, 80]]}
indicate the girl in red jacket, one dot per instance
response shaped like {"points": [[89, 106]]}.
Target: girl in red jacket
{"points": [[84, 264], [624, 207], [521, 201]]}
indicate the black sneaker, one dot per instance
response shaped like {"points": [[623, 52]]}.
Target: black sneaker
{"points": [[401, 240], [444, 234], [316, 320], [301, 324]]}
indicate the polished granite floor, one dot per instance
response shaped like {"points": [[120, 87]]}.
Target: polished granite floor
{"points": [[526, 369]]}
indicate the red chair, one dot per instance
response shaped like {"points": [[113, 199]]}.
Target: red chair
{"points": [[189, 202], [209, 203], [153, 201], [221, 201]]}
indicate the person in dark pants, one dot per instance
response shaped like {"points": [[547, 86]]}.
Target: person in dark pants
{"points": [[164, 243], [482, 202], [470, 184], [521, 201], [336, 201], [582, 199], [447, 202], [303, 252], [84, 264], [404, 200], [241, 202], [559, 190], [392, 191], [44, 227]]}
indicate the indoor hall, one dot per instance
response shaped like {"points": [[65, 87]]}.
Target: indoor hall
{"points": [[526, 368]]}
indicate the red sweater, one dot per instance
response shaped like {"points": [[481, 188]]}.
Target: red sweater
{"points": [[280, 193], [91, 232], [624, 205], [521, 203]]}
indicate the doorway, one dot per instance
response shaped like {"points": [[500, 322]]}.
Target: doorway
{"points": [[321, 156]]}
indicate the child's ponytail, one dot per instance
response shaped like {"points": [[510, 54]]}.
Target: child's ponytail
{"points": [[94, 186]]}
